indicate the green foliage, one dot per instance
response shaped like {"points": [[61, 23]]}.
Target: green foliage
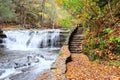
{"points": [[5, 8], [102, 3], [111, 38], [75, 5], [33, 14], [107, 30], [117, 40], [104, 44], [33, 18], [94, 57], [92, 43], [114, 63], [65, 23], [60, 53]]}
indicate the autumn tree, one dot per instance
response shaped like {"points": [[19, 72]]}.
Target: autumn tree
{"points": [[6, 10]]}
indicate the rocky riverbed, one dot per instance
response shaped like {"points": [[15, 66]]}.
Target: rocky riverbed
{"points": [[25, 65]]}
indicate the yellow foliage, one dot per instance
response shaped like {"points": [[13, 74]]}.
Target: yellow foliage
{"points": [[48, 5], [57, 8], [77, 16], [59, 1], [60, 16], [35, 5], [43, 14]]}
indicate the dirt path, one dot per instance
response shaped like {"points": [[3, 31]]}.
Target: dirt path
{"points": [[82, 69]]}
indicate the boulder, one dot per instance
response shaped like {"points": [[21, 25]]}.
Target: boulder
{"points": [[1, 31], [2, 35], [1, 41]]}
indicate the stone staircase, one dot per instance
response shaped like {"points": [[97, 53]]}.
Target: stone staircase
{"points": [[76, 40]]}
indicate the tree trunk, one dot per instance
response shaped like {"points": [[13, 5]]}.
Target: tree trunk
{"points": [[42, 10]]}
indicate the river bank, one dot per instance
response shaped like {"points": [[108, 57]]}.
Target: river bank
{"points": [[81, 68]]}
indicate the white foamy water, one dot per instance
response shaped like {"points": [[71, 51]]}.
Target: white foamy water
{"points": [[28, 53], [8, 73], [28, 39]]}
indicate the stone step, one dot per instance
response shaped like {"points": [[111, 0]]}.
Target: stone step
{"points": [[78, 32], [80, 29], [75, 43], [78, 35], [76, 47], [63, 36], [77, 40], [74, 37], [76, 51], [61, 39], [73, 47], [64, 31]]}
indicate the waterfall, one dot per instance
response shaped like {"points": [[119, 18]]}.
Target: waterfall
{"points": [[54, 38], [32, 39]]}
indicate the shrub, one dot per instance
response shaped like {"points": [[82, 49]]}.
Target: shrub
{"points": [[107, 30]]}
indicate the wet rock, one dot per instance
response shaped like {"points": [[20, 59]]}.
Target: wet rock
{"points": [[42, 56], [29, 63], [31, 32], [16, 65], [19, 65], [1, 41], [1, 31], [2, 46], [2, 35], [2, 71]]}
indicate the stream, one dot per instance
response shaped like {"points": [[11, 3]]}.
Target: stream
{"points": [[27, 54]]}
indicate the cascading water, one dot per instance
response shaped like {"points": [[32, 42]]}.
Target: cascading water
{"points": [[28, 53], [32, 39], [55, 38]]}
